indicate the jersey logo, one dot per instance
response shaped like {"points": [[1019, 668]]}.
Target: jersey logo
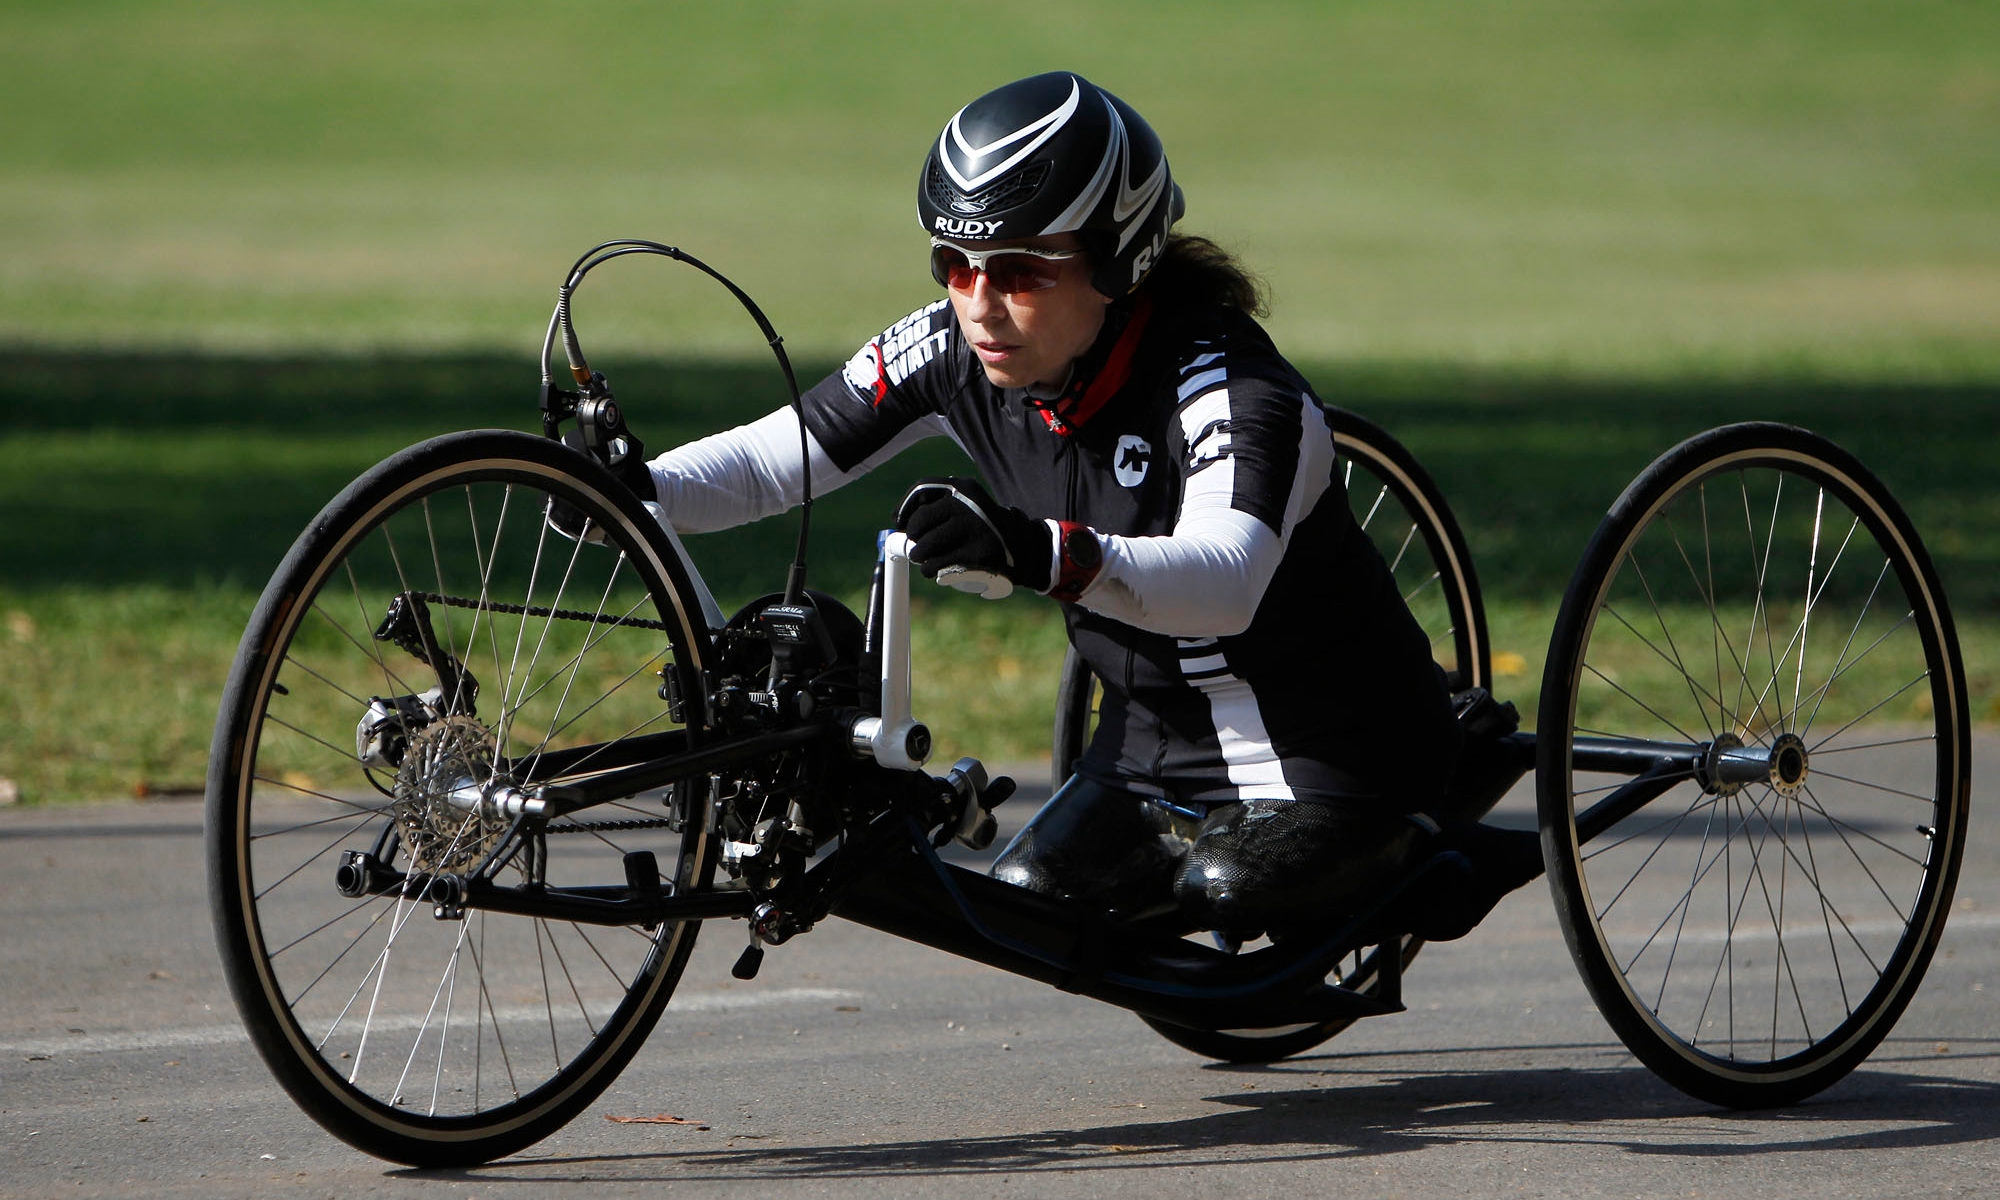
{"points": [[865, 375], [1210, 446], [903, 347], [1130, 461]]}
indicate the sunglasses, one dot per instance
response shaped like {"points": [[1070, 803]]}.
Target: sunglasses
{"points": [[1011, 271]]}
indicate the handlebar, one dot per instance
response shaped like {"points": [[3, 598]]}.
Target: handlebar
{"points": [[895, 739], [558, 405]]}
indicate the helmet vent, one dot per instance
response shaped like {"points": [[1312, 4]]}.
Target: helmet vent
{"points": [[1006, 193]]}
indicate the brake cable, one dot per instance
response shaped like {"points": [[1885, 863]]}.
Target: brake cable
{"points": [[556, 404]]}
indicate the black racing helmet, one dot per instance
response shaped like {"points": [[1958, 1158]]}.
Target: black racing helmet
{"points": [[1053, 154]]}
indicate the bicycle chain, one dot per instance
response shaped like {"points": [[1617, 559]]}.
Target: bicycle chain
{"points": [[610, 826], [536, 610]]}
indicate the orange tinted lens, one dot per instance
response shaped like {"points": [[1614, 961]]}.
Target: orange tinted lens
{"points": [[1013, 273], [1009, 273], [950, 268]]}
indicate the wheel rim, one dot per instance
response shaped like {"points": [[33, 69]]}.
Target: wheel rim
{"points": [[1772, 606], [1435, 579], [474, 1026]]}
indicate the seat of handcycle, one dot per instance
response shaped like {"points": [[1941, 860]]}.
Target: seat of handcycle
{"points": [[1468, 865], [1493, 755]]}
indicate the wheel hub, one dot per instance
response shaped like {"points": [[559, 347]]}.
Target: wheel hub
{"points": [[1728, 766], [1790, 764], [446, 758]]}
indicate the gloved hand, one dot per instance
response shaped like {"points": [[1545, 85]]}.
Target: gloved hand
{"points": [[953, 522]]}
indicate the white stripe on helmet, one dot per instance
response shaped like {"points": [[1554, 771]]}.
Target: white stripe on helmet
{"points": [[1130, 205], [1079, 211], [1047, 126]]}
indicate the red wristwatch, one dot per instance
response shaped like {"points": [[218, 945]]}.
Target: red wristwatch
{"points": [[1080, 556]]}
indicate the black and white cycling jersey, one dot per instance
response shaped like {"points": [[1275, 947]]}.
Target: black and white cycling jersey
{"points": [[1251, 640]]}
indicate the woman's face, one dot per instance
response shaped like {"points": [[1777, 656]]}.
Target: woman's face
{"points": [[1031, 338]]}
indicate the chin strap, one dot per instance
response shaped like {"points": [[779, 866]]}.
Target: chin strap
{"points": [[1091, 390]]}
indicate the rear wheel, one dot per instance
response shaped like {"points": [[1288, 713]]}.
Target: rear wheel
{"points": [[1362, 975], [1752, 918], [1397, 504], [349, 742]]}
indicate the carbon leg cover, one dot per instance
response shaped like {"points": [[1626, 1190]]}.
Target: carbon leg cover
{"points": [[1094, 842], [1271, 865]]}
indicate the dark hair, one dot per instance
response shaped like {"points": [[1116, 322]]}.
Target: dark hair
{"points": [[1193, 272]]}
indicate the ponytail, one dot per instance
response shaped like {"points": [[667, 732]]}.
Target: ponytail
{"points": [[1193, 272]]}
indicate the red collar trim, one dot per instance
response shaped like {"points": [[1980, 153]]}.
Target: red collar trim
{"points": [[1076, 405]]}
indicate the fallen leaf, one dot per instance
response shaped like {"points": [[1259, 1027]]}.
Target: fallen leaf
{"points": [[658, 1119]]}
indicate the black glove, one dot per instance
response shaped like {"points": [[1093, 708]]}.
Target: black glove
{"points": [[952, 522]]}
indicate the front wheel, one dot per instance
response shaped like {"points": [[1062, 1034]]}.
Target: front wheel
{"points": [[1753, 764], [432, 634]]}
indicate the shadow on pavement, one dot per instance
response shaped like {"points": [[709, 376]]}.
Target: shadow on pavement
{"points": [[1623, 1108]]}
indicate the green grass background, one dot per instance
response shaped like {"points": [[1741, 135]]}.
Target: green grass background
{"points": [[246, 249]]}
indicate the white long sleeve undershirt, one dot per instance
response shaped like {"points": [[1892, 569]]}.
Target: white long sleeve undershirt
{"points": [[1205, 579], [752, 471]]}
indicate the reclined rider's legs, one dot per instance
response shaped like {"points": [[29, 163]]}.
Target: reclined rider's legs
{"points": [[1269, 866], [1095, 842]]}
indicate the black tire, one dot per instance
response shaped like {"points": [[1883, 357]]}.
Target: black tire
{"points": [[1399, 505], [479, 1035], [1752, 940]]}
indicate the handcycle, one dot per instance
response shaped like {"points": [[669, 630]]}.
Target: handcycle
{"points": [[490, 754]]}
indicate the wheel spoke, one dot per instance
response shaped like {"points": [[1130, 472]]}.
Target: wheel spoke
{"points": [[1787, 925], [406, 1003], [1674, 658], [1655, 713]]}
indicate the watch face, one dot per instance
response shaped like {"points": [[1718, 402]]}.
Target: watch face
{"points": [[1082, 548]]}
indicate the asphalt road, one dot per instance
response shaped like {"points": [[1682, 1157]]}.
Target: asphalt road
{"points": [[857, 1065]]}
